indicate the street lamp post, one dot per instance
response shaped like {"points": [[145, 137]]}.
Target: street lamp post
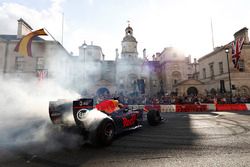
{"points": [[84, 48], [229, 77], [84, 63]]}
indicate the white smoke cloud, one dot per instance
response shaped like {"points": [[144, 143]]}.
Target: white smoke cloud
{"points": [[92, 118], [24, 104], [25, 118]]}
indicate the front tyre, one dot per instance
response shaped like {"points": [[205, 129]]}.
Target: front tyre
{"points": [[105, 132], [154, 117]]}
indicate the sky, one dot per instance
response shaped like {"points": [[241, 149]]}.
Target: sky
{"points": [[157, 24]]}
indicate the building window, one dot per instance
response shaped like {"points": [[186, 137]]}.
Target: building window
{"points": [[89, 53], [40, 63], [132, 80], [176, 66], [190, 76], [221, 67], [175, 81], [241, 66], [19, 64], [196, 76], [211, 67], [204, 73], [154, 83]]}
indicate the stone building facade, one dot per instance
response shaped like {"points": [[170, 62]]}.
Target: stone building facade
{"points": [[169, 72], [212, 75], [85, 73], [89, 71], [92, 72], [47, 57], [175, 68], [214, 71]]}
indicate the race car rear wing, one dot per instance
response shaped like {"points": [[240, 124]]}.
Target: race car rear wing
{"points": [[81, 106], [83, 103]]}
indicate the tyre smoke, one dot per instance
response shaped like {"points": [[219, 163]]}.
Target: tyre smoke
{"points": [[25, 119], [92, 119]]}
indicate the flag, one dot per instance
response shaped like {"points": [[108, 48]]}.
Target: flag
{"points": [[24, 45], [236, 51], [41, 74]]}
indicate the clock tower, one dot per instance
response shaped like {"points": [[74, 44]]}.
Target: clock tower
{"points": [[129, 45]]}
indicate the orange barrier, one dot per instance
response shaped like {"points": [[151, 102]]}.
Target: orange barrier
{"points": [[191, 108], [231, 107]]}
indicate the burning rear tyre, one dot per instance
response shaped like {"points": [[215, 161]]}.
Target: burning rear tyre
{"points": [[154, 117], [105, 132]]}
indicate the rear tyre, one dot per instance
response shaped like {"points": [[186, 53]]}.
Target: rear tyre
{"points": [[154, 117], [105, 132]]}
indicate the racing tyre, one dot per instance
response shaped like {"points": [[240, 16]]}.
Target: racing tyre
{"points": [[105, 132], [154, 117]]}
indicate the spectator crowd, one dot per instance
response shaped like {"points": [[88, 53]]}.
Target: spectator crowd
{"points": [[169, 99]]}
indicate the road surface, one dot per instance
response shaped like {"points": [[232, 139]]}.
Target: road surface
{"points": [[184, 139]]}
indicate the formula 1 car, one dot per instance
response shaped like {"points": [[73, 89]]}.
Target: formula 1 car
{"points": [[94, 123]]}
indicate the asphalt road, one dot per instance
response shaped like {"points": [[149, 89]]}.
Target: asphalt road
{"points": [[184, 139]]}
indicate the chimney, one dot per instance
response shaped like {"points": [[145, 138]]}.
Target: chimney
{"points": [[153, 57], [144, 53], [242, 33], [195, 60], [188, 59], [116, 54], [23, 28]]}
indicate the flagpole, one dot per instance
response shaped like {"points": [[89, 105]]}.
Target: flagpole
{"points": [[5, 56], [56, 43], [50, 34], [54, 39], [212, 31], [62, 26], [229, 76]]}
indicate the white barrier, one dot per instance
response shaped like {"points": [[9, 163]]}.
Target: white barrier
{"points": [[168, 108], [248, 106], [135, 107], [172, 108], [211, 107]]}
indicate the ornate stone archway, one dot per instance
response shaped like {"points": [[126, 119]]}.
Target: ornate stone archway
{"points": [[244, 91], [190, 86], [213, 92], [192, 91]]}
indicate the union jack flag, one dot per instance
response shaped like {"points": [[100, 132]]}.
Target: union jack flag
{"points": [[41, 74], [236, 51]]}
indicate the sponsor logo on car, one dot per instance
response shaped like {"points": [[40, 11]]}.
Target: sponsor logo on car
{"points": [[129, 122], [81, 114]]}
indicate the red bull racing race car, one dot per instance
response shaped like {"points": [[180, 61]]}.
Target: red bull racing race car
{"points": [[100, 123]]}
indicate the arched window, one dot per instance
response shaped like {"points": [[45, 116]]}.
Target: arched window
{"points": [[132, 78], [241, 65], [244, 91], [176, 77]]}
